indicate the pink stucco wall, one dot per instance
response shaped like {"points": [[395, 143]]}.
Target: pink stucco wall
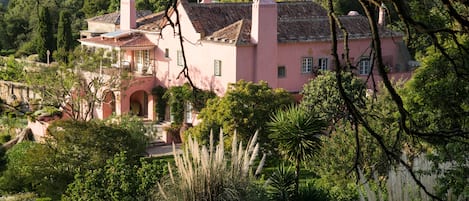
{"points": [[137, 84], [290, 55], [253, 62], [200, 56]]}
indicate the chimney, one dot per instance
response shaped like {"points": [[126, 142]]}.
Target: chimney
{"points": [[128, 15], [264, 36], [382, 15]]}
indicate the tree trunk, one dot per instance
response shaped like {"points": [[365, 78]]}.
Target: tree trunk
{"points": [[297, 177]]}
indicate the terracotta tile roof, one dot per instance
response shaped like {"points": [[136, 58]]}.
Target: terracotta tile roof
{"points": [[317, 29], [209, 18], [231, 22], [237, 33], [133, 40], [114, 18], [151, 22], [297, 21]]}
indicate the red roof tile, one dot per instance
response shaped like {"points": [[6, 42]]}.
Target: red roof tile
{"points": [[114, 18], [134, 40]]}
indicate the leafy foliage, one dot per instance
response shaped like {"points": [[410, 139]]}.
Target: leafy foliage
{"points": [[64, 37], [437, 96], [178, 97], [322, 97], [117, 180], [245, 107], [44, 38], [77, 88], [73, 147], [17, 177], [158, 92], [94, 7], [11, 70]]}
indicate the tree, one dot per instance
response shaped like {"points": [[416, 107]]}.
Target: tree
{"points": [[16, 177], [437, 98], [44, 37], [92, 8], [13, 71], [64, 36], [320, 96], [455, 26], [119, 179], [79, 85], [297, 133], [72, 147], [245, 107]]}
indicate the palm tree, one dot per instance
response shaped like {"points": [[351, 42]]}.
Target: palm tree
{"points": [[296, 131]]}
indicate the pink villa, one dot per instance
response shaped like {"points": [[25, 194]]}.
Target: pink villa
{"points": [[282, 43]]}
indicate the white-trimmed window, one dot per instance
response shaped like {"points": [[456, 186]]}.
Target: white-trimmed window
{"points": [[146, 57], [307, 65], [217, 67], [281, 72], [180, 61], [323, 64], [142, 56], [188, 111], [166, 53], [364, 66]]}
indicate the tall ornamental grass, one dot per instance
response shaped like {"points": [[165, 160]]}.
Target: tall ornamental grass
{"points": [[209, 173]]}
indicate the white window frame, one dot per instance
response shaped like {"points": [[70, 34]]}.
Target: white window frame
{"points": [[188, 110], [284, 72], [307, 65], [179, 58], [143, 57], [364, 66], [217, 67], [323, 63]]}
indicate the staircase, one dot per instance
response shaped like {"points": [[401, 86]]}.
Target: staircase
{"points": [[156, 132]]}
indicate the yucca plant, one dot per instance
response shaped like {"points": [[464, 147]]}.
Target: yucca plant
{"points": [[282, 184], [208, 174], [297, 133]]}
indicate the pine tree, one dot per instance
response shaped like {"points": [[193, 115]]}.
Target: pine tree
{"points": [[44, 40], [64, 36]]}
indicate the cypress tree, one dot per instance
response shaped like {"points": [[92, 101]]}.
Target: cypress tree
{"points": [[44, 40], [64, 36]]}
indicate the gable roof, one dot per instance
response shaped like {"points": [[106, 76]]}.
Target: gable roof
{"points": [[114, 18], [211, 17], [303, 21], [237, 33], [317, 29], [151, 22]]}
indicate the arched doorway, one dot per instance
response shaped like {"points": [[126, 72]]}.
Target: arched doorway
{"points": [[109, 104], [139, 103]]}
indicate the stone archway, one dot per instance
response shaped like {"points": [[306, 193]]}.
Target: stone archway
{"points": [[109, 104], [139, 103]]}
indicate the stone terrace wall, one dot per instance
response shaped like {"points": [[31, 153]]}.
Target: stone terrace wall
{"points": [[14, 91]]}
